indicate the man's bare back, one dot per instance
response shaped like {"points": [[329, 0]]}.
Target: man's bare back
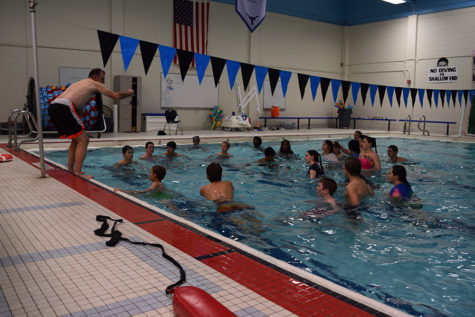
{"points": [[80, 92], [218, 191], [357, 190]]}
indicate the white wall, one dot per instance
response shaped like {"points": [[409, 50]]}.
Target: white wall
{"points": [[387, 52]]}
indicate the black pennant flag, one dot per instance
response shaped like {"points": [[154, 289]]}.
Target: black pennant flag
{"points": [[381, 91], [107, 43], [246, 73], [184, 59], [217, 64], [303, 80], [413, 96], [364, 91], [345, 88], [148, 51], [429, 96], [273, 78], [442, 97], [324, 83], [454, 96], [465, 95], [398, 96]]}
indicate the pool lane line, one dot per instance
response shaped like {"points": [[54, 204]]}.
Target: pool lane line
{"points": [[58, 172]]}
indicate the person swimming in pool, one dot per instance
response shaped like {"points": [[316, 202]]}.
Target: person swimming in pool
{"points": [[220, 192], [257, 142], [328, 154], [313, 158], [225, 145], [285, 149], [157, 174], [369, 159], [171, 150], [392, 155], [269, 156], [128, 154], [357, 188], [149, 148], [402, 189]]}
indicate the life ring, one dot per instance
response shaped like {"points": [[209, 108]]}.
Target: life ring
{"points": [[5, 157]]}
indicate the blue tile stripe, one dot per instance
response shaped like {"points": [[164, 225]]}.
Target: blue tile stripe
{"points": [[4, 308], [40, 207]]}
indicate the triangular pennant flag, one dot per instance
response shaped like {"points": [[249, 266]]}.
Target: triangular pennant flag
{"points": [[345, 88], [381, 91], [107, 43], [398, 96], [246, 73], [454, 96], [449, 94], [217, 64], [429, 97], [148, 51], [364, 92], [273, 79], [284, 80], [314, 82], [413, 95], [405, 95], [372, 93], [303, 80], [128, 46], [232, 68], [261, 73], [470, 97], [184, 59], [336, 83], [390, 95], [460, 94], [465, 95], [442, 97], [202, 62], [324, 83], [436, 97], [421, 96], [355, 87], [167, 54]]}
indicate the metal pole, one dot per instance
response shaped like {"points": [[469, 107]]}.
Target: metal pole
{"points": [[33, 5], [462, 119]]}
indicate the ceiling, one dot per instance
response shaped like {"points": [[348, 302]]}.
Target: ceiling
{"points": [[354, 12]]}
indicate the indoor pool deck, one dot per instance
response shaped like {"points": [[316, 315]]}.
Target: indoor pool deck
{"points": [[52, 264]]}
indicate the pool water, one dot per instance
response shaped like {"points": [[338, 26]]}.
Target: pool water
{"points": [[418, 260]]}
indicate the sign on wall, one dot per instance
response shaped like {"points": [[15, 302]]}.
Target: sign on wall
{"points": [[442, 74]]}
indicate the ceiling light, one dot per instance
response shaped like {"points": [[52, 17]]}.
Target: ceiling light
{"points": [[395, 1]]}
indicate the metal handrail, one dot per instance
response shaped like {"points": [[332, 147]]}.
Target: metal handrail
{"points": [[30, 121], [424, 130], [405, 123]]}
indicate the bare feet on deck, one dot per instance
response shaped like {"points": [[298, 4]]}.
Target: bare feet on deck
{"points": [[84, 175]]}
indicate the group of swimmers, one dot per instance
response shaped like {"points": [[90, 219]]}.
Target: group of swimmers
{"points": [[359, 156]]}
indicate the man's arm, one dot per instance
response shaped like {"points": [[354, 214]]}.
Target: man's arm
{"points": [[116, 95]]}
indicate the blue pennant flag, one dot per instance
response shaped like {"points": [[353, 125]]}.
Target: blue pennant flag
{"points": [[335, 88], [232, 68], [372, 93], [261, 73], [470, 96], [421, 96], [284, 80], [314, 82], [448, 95], [405, 95], [128, 46], [202, 62], [355, 88], [167, 54], [390, 91], [460, 93], [436, 97]]}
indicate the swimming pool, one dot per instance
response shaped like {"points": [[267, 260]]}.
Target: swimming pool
{"points": [[420, 261]]}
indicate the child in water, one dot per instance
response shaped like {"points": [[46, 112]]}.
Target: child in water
{"points": [[402, 189], [357, 188], [157, 174]]}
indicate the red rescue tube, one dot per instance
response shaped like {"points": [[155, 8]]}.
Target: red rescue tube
{"points": [[5, 157], [191, 301]]}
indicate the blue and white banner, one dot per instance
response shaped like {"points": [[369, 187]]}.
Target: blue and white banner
{"points": [[252, 12]]}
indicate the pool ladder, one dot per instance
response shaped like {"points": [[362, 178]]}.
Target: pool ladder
{"points": [[13, 128], [424, 130], [407, 123]]}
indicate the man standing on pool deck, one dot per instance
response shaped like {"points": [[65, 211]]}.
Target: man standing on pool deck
{"points": [[67, 122]]}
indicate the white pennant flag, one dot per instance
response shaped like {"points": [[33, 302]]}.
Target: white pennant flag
{"points": [[252, 12]]}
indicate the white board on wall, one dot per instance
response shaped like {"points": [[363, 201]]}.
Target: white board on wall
{"points": [[188, 93], [273, 100], [69, 75]]}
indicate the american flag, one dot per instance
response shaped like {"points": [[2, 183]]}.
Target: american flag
{"points": [[191, 26]]}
